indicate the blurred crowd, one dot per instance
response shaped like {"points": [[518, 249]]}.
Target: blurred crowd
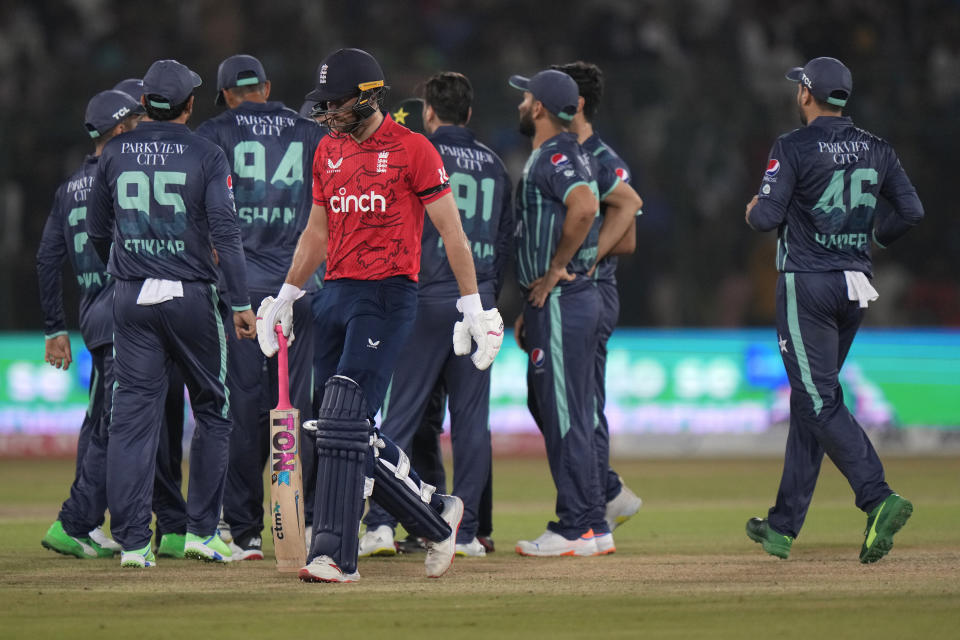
{"points": [[695, 97]]}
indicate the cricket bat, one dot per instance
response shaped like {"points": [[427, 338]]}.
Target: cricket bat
{"points": [[286, 477]]}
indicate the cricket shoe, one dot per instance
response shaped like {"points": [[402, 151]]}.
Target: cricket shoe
{"points": [[551, 544], [324, 569], [172, 545], [440, 554], [138, 559], [605, 545], [472, 549], [56, 539], [776, 544], [622, 507], [209, 549], [412, 544], [223, 530], [885, 520], [377, 542], [247, 547], [105, 541], [487, 543]]}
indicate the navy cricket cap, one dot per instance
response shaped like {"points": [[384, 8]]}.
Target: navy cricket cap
{"points": [[107, 109], [240, 70], [133, 87], [556, 90], [828, 80], [344, 73], [169, 83]]}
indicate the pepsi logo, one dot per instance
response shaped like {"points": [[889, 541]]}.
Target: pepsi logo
{"points": [[622, 174], [537, 356], [558, 159], [773, 167], [229, 181]]}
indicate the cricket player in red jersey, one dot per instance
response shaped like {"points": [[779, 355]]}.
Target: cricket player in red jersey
{"points": [[372, 181]]}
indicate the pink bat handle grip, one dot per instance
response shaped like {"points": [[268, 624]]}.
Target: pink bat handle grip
{"points": [[283, 375]]}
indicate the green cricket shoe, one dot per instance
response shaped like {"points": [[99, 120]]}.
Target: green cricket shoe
{"points": [[885, 520], [776, 544], [138, 558], [211, 548], [60, 541], [171, 545]]}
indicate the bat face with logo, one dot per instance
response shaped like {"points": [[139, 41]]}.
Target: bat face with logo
{"points": [[286, 477]]}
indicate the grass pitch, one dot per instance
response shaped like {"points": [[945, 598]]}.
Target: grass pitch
{"points": [[683, 569]]}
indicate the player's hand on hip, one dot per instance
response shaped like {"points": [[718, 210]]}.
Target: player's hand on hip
{"points": [[484, 327], [57, 351], [542, 286], [750, 206], [274, 311], [245, 324]]}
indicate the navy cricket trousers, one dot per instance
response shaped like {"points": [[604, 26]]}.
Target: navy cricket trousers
{"points": [[816, 324], [561, 338], [609, 312], [187, 332], [426, 358]]}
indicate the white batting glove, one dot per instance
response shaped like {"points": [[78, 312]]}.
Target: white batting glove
{"points": [[275, 311], [485, 327]]}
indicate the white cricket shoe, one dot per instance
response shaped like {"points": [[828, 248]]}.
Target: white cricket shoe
{"points": [[324, 569], [551, 544], [440, 554], [622, 507], [378, 542], [223, 530], [105, 541], [605, 544], [472, 549]]}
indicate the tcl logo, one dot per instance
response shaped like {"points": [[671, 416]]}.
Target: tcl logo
{"points": [[365, 202]]}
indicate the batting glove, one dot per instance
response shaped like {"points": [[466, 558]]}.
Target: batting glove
{"points": [[275, 311], [484, 327]]}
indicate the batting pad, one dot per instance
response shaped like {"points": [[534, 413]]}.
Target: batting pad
{"points": [[400, 491], [343, 451]]}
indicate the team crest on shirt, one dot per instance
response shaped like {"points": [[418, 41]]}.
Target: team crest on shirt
{"points": [[559, 160], [382, 161], [622, 174], [537, 357]]}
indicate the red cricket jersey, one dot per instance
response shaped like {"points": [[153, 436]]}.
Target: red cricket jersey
{"points": [[374, 193]]}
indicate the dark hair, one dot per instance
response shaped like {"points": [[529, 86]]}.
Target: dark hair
{"points": [[450, 94], [589, 79], [826, 106], [164, 114], [246, 90]]}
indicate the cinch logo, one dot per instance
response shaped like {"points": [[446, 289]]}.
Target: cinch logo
{"points": [[366, 202], [537, 356], [773, 167], [558, 159], [622, 174]]}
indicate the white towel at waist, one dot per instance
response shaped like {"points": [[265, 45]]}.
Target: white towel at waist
{"points": [[859, 288], [155, 291]]}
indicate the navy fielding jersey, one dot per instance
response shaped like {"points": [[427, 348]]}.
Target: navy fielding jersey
{"points": [[820, 192], [65, 237], [551, 172], [270, 151], [169, 193], [607, 157], [481, 187]]}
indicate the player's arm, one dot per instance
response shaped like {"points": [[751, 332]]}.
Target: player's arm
{"points": [[100, 213], [768, 209], [50, 256], [311, 248], [907, 209], [581, 207], [622, 204], [628, 243], [445, 217], [225, 234]]}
